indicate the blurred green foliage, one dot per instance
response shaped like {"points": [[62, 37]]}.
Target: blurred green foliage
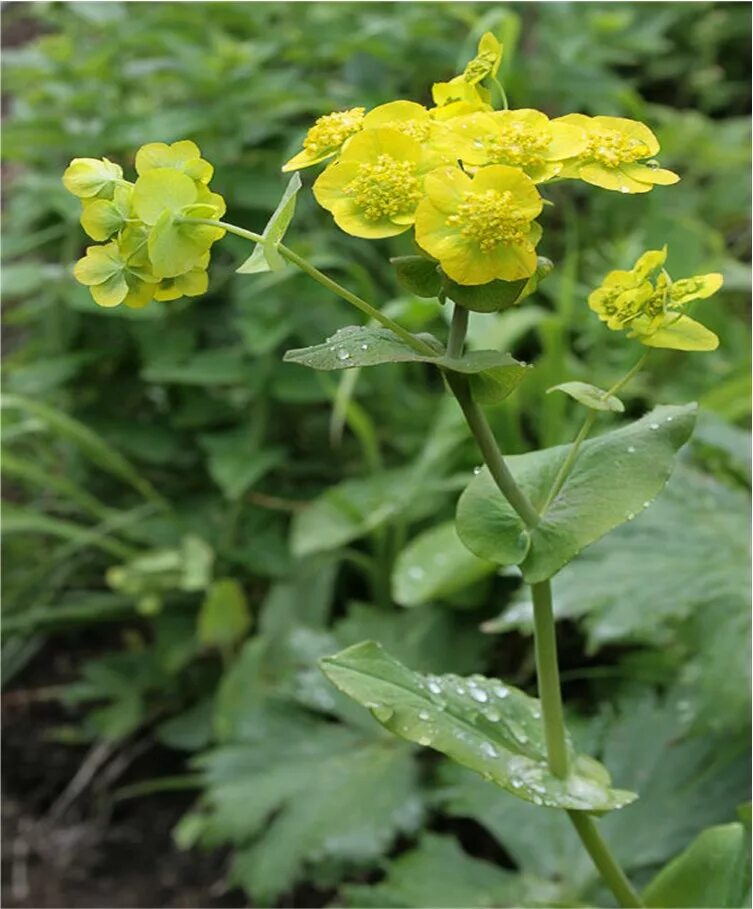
{"points": [[154, 459]]}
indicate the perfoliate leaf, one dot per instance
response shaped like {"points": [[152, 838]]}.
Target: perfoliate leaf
{"points": [[418, 275], [494, 729], [590, 396], [491, 297], [175, 247], [265, 256], [493, 375], [614, 478], [712, 873], [224, 617], [434, 565]]}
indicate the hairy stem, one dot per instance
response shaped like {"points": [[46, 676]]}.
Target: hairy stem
{"points": [[416, 343]]}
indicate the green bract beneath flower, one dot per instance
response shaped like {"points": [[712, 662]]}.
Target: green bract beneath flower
{"points": [[156, 251], [88, 178], [650, 310]]}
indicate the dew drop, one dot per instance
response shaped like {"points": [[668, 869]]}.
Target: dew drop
{"points": [[629, 515], [476, 471], [415, 573], [624, 189], [423, 714], [492, 714], [489, 750], [515, 782], [537, 800], [364, 347], [654, 426], [631, 449], [501, 691], [478, 695], [536, 714], [434, 687], [646, 504], [424, 739], [343, 354]]}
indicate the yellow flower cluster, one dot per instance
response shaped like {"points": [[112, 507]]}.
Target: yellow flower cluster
{"points": [[147, 253], [464, 175], [650, 309]]}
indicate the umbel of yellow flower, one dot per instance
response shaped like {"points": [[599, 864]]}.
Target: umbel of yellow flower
{"points": [[481, 228], [651, 310], [326, 137], [374, 187], [525, 138], [152, 252], [616, 153]]}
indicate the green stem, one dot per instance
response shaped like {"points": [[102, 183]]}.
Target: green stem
{"points": [[567, 465], [548, 675], [416, 343], [502, 93], [458, 330], [608, 867]]}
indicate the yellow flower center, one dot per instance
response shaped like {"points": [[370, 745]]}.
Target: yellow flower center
{"points": [[612, 148], [518, 145], [415, 129], [490, 218], [332, 130], [384, 188]]}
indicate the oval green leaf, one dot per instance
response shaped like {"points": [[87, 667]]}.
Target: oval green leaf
{"points": [[590, 396], [265, 256], [494, 729], [615, 477]]}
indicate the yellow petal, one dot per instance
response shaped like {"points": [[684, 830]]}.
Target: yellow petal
{"points": [[681, 333], [89, 177], [445, 188], [699, 287], [329, 186], [111, 292], [432, 231], [395, 110], [162, 189], [99, 264], [139, 294], [306, 158], [349, 217], [502, 178], [648, 262], [613, 178], [653, 175], [631, 128], [568, 140], [368, 145]]}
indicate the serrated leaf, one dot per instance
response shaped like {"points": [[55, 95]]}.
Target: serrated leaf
{"points": [[493, 729], [493, 375], [440, 874], [304, 784], [418, 275], [435, 565], [265, 256], [712, 873], [614, 478], [590, 396]]}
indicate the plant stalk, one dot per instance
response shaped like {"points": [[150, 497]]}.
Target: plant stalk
{"points": [[609, 869], [372, 312]]}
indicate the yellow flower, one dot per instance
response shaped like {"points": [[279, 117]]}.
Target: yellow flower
{"points": [[481, 228], [487, 60], [520, 138], [612, 159], [458, 97], [183, 156], [192, 283], [326, 137], [88, 178], [415, 121], [118, 272], [101, 218], [375, 186], [650, 310]]}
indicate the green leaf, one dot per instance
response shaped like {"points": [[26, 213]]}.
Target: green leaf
{"points": [[175, 247], [224, 617], [418, 275], [493, 729], [303, 784], [614, 478], [265, 256], [496, 295], [235, 463], [440, 874], [712, 873], [493, 375], [435, 565], [590, 396]]}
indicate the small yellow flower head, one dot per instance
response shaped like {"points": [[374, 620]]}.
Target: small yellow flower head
{"points": [[90, 178], [183, 156], [415, 121], [326, 137], [615, 155], [153, 252], [519, 138], [117, 272], [486, 62], [650, 309], [481, 228], [374, 187], [458, 97]]}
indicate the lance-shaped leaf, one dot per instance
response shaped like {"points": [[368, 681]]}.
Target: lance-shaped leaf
{"points": [[493, 729], [493, 375], [589, 396], [435, 565], [614, 478], [265, 256]]}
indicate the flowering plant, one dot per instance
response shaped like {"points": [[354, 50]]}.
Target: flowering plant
{"points": [[469, 182]]}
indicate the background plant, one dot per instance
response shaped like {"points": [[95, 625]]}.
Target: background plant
{"points": [[229, 436]]}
